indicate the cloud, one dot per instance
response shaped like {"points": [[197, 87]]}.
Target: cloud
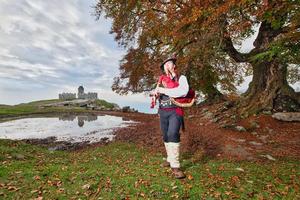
{"points": [[49, 47]]}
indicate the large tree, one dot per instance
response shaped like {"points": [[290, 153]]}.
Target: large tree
{"points": [[203, 34]]}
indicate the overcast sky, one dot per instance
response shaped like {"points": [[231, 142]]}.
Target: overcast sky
{"points": [[49, 47]]}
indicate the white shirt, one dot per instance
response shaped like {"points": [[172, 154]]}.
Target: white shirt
{"points": [[179, 91]]}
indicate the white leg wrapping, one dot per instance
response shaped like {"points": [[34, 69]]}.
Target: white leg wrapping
{"points": [[173, 154], [168, 151]]}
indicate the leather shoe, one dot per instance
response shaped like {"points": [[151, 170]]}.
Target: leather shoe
{"points": [[178, 173]]}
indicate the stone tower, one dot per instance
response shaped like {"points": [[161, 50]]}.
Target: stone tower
{"points": [[81, 92]]}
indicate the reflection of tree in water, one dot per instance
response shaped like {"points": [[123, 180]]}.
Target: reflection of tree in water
{"points": [[80, 118]]}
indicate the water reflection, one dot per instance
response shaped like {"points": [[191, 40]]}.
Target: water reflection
{"points": [[80, 118], [73, 128]]}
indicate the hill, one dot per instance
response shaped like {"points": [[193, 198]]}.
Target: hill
{"points": [[56, 106]]}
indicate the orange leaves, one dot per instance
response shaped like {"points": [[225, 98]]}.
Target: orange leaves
{"points": [[108, 185], [203, 33], [141, 182], [190, 177]]}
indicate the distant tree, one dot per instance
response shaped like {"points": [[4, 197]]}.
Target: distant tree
{"points": [[203, 34]]}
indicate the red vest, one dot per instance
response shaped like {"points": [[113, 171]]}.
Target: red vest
{"points": [[167, 82]]}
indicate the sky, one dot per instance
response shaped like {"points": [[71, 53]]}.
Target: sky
{"points": [[50, 47]]}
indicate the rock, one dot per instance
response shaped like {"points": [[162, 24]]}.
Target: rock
{"points": [[269, 130], [288, 116], [254, 124], [255, 143], [267, 112], [209, 115], [268, 157], [254, 133], [204, 110], [240, 128], [116, 106], [263, 138], [126, 109], [233, 117], [215, 120], [228, 126], [238, 140], [104, 139]]}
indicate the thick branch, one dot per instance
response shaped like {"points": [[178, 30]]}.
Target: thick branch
{"points": [[227, 43], [266, 35], [232, 52]]}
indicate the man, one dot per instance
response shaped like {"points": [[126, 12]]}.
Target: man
{"points": [[171, 116]]}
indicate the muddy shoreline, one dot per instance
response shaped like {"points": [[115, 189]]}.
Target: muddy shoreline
{"points": [[53, 144]]}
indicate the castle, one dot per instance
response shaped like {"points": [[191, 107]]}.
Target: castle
{"points": [[80, 95]]}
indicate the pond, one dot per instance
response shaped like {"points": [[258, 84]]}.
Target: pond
{"points": [[71, 128]]}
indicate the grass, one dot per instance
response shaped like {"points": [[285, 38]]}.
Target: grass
{"points": [[34, 108], [25, 109], [101, 102], [123, 171]]}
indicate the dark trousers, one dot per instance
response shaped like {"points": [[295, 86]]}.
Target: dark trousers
{"points": [[170, 123]]}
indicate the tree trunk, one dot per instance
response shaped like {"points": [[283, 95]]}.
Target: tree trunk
{"points": [[269, 90]]}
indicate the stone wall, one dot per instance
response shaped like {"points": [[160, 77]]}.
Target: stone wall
{"points": [[67, 96], [90, 95]]}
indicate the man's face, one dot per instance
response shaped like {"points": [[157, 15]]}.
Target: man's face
{"points": [[169, 66]]}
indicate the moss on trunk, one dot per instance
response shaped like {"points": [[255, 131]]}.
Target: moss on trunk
{"points": [[269, 90]]}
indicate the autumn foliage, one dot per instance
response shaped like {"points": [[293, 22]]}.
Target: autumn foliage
{"points": [[204, 35]]}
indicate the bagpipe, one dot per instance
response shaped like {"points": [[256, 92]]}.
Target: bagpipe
{"points": [[184, 102]]}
